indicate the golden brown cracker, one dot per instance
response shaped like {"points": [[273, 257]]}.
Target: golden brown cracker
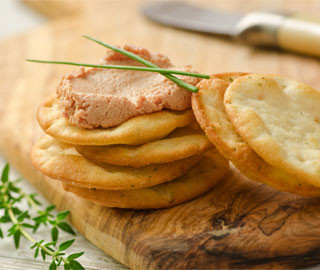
{"points": [[181, 143], [200, 178], [138, 130], [62, 162], [279, 118], [209, 110]]}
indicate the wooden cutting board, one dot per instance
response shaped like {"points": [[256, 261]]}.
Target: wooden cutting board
{"points": [[239, 224]]}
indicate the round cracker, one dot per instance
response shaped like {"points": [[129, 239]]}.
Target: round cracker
{"points": [[200, 178], [181, 143], [138, 130], [280, 120], [61, 161], [208, 107]]}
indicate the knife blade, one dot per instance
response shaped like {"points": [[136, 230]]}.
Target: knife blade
{"points": [[185, 16], [259, 28]]}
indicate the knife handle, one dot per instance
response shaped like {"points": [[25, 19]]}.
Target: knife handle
{"points": [[293, 33], [300, 34]]}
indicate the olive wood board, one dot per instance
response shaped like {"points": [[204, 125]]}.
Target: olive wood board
{"points": [[239, 224]]}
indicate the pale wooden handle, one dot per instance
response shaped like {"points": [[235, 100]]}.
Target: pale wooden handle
{"points": [[300, 35]]}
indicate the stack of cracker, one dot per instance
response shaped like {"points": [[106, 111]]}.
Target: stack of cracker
{"points": [[153, 160], [266, 125]]}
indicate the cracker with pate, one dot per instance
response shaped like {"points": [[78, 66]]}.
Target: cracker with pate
{"points": [[208, 106], [138, 130], [97, 97]]}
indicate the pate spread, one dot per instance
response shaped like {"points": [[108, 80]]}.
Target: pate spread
{"points": [[95, 97]]}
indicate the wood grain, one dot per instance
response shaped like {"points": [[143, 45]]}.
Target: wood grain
{"points": [[54, 9], [240, 224]]}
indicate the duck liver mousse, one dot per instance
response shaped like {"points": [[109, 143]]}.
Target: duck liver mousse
{"points": [[91, 98]]}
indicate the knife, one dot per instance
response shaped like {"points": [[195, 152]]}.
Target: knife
{"points": [[259, 28]]}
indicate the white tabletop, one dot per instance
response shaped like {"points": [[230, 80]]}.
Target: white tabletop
{"points": [[16, 18]]}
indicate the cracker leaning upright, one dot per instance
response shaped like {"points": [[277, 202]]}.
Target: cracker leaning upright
{"points": [[280, 119], [209, 110]]}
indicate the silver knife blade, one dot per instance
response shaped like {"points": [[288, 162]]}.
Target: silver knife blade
{"points": [[189, 17]]}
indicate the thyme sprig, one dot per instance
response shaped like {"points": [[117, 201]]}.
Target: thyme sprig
{"points": [[22, 223], [143, 61], [159, 70]]}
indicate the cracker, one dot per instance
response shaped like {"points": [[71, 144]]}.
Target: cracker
{"points": [[280, 120], [181, 143], [61, 161], [208, 107], [138, 130], [201, 178]]}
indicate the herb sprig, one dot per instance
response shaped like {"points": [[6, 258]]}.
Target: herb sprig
{"points": [[150, 67], [23, 222], [159, 70], [143, 61]]}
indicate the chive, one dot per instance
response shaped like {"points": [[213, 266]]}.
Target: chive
{"points": [[146, 63], [160, 70]]}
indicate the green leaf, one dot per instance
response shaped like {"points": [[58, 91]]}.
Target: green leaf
{"points": [[26, 225], [5, 173], [14, 188], [16, 237], [50, 208], [76, 265], [62, 215], [36, 252], [34, 245], [35, 227], [43, 254], [52, 222], [1, 233], [66, 266], [5, 219], [66, 227], [54, 234], [33, 197], [53, 266], [50, 244], [59, 260], [41, 219], [16, 211], [22, 216], [66, 244], [75, 256], [13, 229], [51, 249], [15, 200]]}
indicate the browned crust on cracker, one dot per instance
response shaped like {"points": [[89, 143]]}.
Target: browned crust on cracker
{"points": [[201, 178], [135, 131], [238, 151], [266, 143], [62, 162], [181, 143]]}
